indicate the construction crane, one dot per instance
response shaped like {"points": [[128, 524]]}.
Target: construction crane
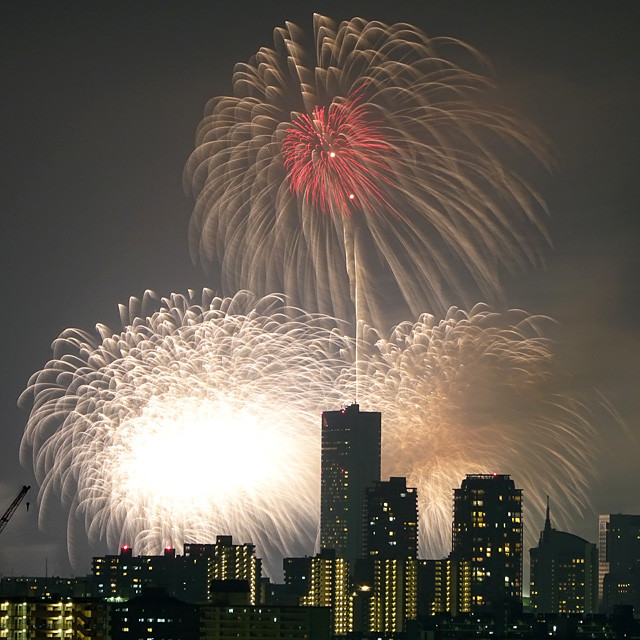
{"points": [[12, 507]]}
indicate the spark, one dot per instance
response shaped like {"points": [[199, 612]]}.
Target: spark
{"points": [[359, 165]]}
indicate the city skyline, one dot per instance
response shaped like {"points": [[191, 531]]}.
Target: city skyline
{"points": [[486, 521], [52, 272]]}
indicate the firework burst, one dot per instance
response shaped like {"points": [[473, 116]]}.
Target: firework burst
{"points": [[371, 157], [202, 417], [480, 392], [335, 159], [196, 420]]}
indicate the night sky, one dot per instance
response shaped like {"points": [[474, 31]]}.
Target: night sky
{"points": [[100, 103]]}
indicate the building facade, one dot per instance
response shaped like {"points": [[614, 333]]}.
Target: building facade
{"points": [[123, 576], [564, 573], [391, 520], [44, 618], [155, 615], [46, 587], [619, 561], [324, 581], [226, 561], [266, 622], [487, 538], [386, 595], [187, 577], [444, 586]]}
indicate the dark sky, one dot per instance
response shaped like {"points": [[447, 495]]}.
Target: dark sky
{"points": [[100, 102]]}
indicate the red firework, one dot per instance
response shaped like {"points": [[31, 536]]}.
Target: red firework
{"points": [[335, 158]]}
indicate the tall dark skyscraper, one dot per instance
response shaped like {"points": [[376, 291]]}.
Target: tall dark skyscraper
{"points": [[350, 464], [386, 579], [487, 534]]}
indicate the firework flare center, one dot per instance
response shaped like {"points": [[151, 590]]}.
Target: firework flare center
{"points": [[337, 158], [211, 450]]}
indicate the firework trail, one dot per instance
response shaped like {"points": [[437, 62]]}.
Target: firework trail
{"points": [[199, 419], [370, 157], [203, 418]]}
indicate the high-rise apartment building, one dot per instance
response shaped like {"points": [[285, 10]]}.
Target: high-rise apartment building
{"points": [[323, 581], [227, 561], [386, 595], [487, 534], [350, 463], [391, 520], [564, 573], [386, 579], [444, 586], [619, 538]]}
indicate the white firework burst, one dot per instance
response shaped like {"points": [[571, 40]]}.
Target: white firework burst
{"points": [[197, 420], [480, 392]]}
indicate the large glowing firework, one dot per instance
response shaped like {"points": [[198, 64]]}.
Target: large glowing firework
{"points": [[480, 392], [202, 418], [199, 419], [378, 155]]}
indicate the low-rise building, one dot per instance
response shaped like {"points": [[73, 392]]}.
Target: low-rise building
{"points": [[44, 618]]}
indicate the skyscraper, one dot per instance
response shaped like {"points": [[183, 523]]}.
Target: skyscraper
{"points": [[487, 533], [391, 520], [564, 573], [619, 560], [350, 463], [386, 580]]}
